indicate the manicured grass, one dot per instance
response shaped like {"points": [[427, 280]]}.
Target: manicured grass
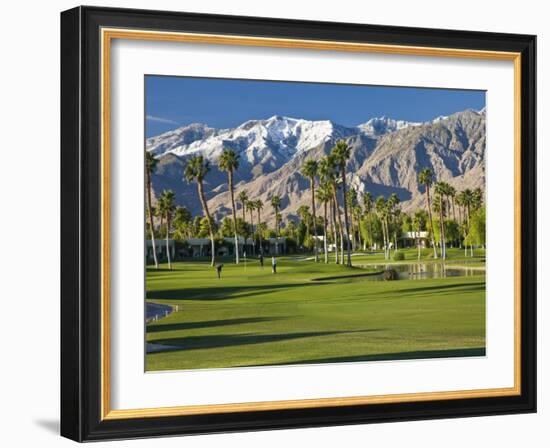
{"points": [[252, 317]]}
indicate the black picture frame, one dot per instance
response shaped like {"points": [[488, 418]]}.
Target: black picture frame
{"points": [[81, 224]]}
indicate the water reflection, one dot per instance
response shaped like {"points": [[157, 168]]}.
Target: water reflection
{"points": [[419, 271]]}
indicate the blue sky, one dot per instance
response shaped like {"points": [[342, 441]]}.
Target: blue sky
{"points": [[171, 102]]}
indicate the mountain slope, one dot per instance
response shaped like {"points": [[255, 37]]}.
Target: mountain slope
{"points": [[386, 157]]}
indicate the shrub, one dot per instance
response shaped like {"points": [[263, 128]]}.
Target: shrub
{"points": [[390, 274], [399, 256]]}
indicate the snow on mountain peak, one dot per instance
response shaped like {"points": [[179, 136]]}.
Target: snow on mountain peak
{"points": [[278, 136], [378, 126]]}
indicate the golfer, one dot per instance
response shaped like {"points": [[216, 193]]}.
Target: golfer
{"points": [[274, 264], [219, 268]]}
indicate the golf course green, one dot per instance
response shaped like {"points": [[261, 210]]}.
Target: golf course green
{"points": [[312, 313]]}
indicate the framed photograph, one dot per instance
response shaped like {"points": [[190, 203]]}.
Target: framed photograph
{"points": [[276, 224]]}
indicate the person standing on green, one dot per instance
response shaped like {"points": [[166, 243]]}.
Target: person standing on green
{"points": [[274, 264]]}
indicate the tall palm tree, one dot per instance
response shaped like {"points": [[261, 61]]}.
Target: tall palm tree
{"points": [[324, 195], [251, 206], [357, 213], [467, 199], [351, 199], [367, 204], [243, 198], [426, 178], [259, 205], [305, 217], [150, 166], [440, 191], [166, 208], [341, 153], [196, 170], [382, 212], [276, 204], [393, 202], [229, 162], [452, 195], [417, 224], [310, 170], [328, 174]]}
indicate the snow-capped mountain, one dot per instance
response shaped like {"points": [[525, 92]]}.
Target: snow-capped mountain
{"points": [[378, 126], [274, 140], [386, 155]]}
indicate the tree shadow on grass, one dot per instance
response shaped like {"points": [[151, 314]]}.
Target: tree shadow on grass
{"points": [[209, 323], [231, 340], [479, 286], [220, 293], [419, 354]]}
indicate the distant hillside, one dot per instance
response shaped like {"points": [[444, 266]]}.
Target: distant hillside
{"points": [[386, 158]]}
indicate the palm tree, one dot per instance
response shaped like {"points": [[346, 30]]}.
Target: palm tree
{"points": [[243, 198], [367, 204], [341, 153], [426, 178], [305, 217], [150, 166], [166, 208], [276, 204], [310, 170], [393, 202], [258, 205], [328, 174], [477, 198], [251, 206], [196, 170], [229, 162], [382, 211], [440, 191], [351, 199], [324, 196], [452, 194], [417, 224], [467, 199], [357, 213]]}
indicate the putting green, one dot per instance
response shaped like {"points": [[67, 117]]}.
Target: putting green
{"points": [[252, 317]]}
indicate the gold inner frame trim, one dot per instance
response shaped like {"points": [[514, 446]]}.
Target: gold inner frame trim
{"points": [[107, 35]]}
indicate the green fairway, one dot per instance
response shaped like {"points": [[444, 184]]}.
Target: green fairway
{"points": [[252, 317]]}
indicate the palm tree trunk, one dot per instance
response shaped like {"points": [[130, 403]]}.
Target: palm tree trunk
{"points": [[230, 175], [370, 230], [151, 225], [359, 233], [209, 219], [260, 232], [312, 184], [394, 234], [252, 230], [343, 169], [441, 229], [453, 204], [353, 231], [167, 238], [385, 240], [325, 231], [339, 219], [431, 219], [276, 231], [333, 229]]}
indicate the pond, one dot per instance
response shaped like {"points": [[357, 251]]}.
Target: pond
{"points": [[419, 271]]}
